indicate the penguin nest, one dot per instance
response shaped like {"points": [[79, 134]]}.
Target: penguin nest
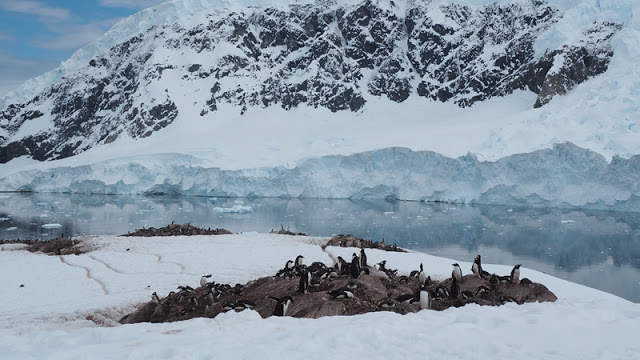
{"points": [[371, 289]]}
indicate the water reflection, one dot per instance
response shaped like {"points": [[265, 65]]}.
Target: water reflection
{"points": [[598, 249]]}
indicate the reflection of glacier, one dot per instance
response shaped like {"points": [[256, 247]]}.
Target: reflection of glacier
{"points": [[592, 248], [564, 176]]}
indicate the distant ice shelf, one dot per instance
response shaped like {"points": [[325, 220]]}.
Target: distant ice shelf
{"points": [[562, 176]]}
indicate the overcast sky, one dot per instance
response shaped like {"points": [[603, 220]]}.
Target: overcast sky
{"points": [[36, 36]]}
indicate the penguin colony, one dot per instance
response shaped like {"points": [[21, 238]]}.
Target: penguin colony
{"points": [[345, 288]]}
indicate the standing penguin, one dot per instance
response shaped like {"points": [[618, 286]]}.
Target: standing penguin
{"points": [[154, 298], [425, 298], [342, 266], [422, 276], [299, 260], [363, 258], [455, 288], [282, 305], [355, 266], [305, 278], [457, 272], [476, 268], [515, 274], [203, 279]]}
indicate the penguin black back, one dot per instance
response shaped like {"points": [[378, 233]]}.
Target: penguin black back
{"points": [[455, 288], [303, 285], [355, 266], [363, 258]]}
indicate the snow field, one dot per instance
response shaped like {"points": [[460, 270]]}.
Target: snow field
{"points": [[583, 324]]}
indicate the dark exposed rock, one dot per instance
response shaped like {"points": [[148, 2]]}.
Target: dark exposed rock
{"points": [[352, 241], [370, 290], [174, 229], [311, 55], [286, 231], [59, 246]]}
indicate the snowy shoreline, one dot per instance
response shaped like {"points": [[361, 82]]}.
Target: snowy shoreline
{"points": [[49, 314]]}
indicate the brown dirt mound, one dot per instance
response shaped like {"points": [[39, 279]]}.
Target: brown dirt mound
{"points": [[174, 229], [371, 289], [352, 241], [59, 246]]}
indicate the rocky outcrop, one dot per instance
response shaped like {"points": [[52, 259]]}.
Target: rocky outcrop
{"points": [[174, 229], [370, 292]]}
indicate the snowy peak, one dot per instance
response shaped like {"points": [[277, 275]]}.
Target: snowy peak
{"points": [[210, 55]]}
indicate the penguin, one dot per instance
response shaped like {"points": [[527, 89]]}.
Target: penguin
{"points": [[403, 279], [203, 279], [387, 303], [363, 258], [342, 293], [282, 305], [504, 279], [515, 274], [476, 268], [424, 298], [317, 268], [314, 282], [303, 285], [228, 305], [494, 280], [467, 294], [342, 265], [242, 304], [355, 266], [298, 261], [455, 288], [286, 270], [457, 272], [442, 292], [525, 282], [481, 290], [422, 276], [351, 284], [154, 298], [406, 298], [213, 296]]}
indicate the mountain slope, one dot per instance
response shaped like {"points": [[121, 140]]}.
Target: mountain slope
{"points": [[186, 60]]}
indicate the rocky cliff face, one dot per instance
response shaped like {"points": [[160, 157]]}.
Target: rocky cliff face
{"points": [[320, 54]]}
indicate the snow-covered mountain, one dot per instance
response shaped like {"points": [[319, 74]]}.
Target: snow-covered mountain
{"points": [[204, 55], [257, 84]]}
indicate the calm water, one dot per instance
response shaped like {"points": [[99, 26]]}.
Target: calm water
{"points": [[598, 249]]}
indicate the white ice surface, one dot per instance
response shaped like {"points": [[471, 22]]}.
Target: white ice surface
{"points": [[47, 317]]}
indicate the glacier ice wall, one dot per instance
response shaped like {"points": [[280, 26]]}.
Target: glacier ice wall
{"points": [[563, 176]]}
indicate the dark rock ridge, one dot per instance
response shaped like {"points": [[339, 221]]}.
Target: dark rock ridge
{"points": [[320, 55], [370, 290], [352, 241], [174, 229], [58, 246]]}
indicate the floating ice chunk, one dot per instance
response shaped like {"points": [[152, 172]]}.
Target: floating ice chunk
{"points": [[4, 219], [51, 226], [566, 221], [12, 228], [238, 209]]}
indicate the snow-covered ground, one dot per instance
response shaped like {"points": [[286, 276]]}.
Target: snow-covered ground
{"points": [[47, 318]]}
